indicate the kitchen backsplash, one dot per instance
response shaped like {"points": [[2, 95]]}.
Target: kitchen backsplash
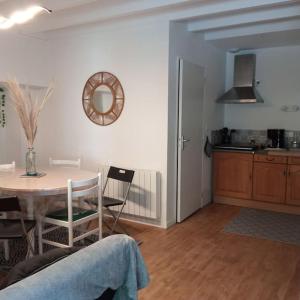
{"points": [[244, 136]]}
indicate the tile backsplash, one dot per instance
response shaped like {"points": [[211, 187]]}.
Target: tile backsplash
{"points": [[245, 136]]}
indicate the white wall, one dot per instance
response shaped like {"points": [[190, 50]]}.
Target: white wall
{"points": [[23, 58], [137, 53], [278, 71], [193, 48]]}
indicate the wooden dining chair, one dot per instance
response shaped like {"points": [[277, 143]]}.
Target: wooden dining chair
{"points": [[6, 168], [71, 216], [17, 227], [65, 163]]}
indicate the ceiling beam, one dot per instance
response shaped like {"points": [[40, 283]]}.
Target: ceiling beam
{"points": [[256, 41], [252, 30], [211, 9], [247, 18], [99, 11], [170, 9]]}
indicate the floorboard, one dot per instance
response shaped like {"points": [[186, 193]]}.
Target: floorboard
{"points": [[197, 260]]}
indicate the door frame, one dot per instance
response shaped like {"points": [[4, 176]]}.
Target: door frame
{"points": [[178, 63]]}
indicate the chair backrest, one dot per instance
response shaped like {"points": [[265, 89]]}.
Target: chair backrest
{"points": [[9, 204], [8, 167], [120, 174], [65, 162], [84, 188]]}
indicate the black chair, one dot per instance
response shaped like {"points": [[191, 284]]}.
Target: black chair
{"points": [[16, 228], [122, 175]]}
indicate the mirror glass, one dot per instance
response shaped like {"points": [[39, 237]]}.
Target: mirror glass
{"points": [[102, 98]]}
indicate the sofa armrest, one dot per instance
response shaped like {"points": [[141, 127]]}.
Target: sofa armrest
{"points": [[114, 262], [35, 264]]}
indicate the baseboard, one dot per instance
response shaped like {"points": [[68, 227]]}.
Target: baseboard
{"points": [[258, 204], [131, 219], [170, 223]]}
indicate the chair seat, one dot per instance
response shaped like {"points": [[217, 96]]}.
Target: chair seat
{"points": [[78, 213], [12, 229], [107, 201]]}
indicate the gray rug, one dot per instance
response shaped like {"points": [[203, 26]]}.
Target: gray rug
{"points": [[18, 248], [269, 225]]}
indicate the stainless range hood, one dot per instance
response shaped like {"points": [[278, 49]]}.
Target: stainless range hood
{"points": [[243, 90]]}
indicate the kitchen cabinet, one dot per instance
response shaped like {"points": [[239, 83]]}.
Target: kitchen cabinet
{"points": [[294, 160], [269, 182], [259, 180], [293, 185], [270, 159], [233, 174]]}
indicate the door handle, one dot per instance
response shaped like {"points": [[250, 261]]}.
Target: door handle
{"points": [[183, 141]]}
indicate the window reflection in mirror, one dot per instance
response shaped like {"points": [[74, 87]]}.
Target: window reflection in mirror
{"points": [[102, 98]]}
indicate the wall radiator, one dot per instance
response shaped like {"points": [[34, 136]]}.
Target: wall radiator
{"points": [[144, 195]]}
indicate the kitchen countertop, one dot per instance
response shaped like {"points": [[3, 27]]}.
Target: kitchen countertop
{"points": [[234, 151], [281, 152], [293, 152]]}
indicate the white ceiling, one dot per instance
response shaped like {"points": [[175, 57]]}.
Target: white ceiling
{"points": [[225, 23]]}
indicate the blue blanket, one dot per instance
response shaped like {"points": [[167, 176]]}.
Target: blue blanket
{"points": [[114, 262]]}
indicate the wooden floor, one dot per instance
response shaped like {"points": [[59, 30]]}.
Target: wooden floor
{"points": [[196, 260]]}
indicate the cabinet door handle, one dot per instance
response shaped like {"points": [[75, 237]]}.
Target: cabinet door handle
{"points": [[270, 158]]}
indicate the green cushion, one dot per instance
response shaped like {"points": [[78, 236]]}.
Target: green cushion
{"points": [[78, 213]]}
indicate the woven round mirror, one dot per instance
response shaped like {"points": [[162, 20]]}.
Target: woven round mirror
{"points": [[103, 98]]}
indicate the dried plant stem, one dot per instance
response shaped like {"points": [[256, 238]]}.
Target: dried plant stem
{"points": [[27, 108]]}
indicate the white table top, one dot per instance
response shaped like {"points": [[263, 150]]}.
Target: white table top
{"points": [[53, 183]]}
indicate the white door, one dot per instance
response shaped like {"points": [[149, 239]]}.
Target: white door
{"points": [[190, 139]]}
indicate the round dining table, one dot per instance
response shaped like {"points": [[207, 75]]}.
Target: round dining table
{"points": [[53, 183]]}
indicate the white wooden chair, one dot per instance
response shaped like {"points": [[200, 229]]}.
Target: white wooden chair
{"points": [[65, 163], [6, 168], [71, 217]]}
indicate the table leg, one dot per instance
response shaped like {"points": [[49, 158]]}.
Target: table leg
{"points": [[40, 234], [30, 207], [31, 216], [31, 237], [6, 249]]}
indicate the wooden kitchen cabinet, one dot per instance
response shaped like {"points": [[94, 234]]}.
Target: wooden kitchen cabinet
{"points": [[270, 159], [269, 182], [294, 160], [233, 174], [259, 180], [293, 185]]}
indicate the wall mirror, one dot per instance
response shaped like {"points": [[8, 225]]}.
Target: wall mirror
{"points": [[103, 98]]}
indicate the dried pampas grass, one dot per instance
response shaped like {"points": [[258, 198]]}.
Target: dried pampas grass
{"points": [[27, 108]]}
